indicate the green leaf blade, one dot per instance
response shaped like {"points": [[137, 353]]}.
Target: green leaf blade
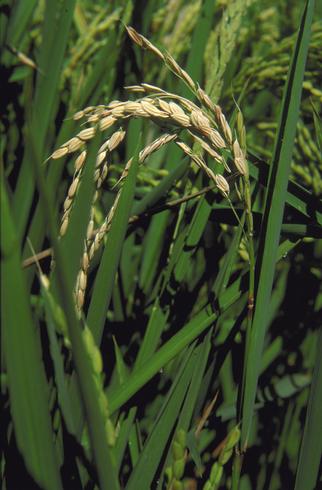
{"points": [[26, 376], [273, 215]]}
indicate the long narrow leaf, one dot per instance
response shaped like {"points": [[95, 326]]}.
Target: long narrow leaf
{"points": [[56, 27], [273, 215], [26, 377], [105, 278], [311, 449], [88, 387], [150, 457]]}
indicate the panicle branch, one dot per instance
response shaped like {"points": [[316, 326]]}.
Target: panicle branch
{"points": [[175, 115]]}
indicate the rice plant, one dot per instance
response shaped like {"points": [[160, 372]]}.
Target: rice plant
{"points": [[161, 245]]}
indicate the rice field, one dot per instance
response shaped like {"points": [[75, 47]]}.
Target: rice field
{"points": [[161, 182]]}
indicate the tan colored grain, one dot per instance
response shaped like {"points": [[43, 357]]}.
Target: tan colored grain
{"points": [[152, 88], [239, 159], [61, 152], [63, 227], [80, 160], [73, 188], [143, 42], [106, 122], [156, 145], [205, 100], [200, 121], [222, 184], [153, 111], [116, 139], [67, 203], [216, 139], [100, 158], [135, 88], [173, 65], [207, 148], [86, 134]]}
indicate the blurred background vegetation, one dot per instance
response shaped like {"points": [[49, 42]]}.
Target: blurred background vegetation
{"points": [[167, 304]]}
